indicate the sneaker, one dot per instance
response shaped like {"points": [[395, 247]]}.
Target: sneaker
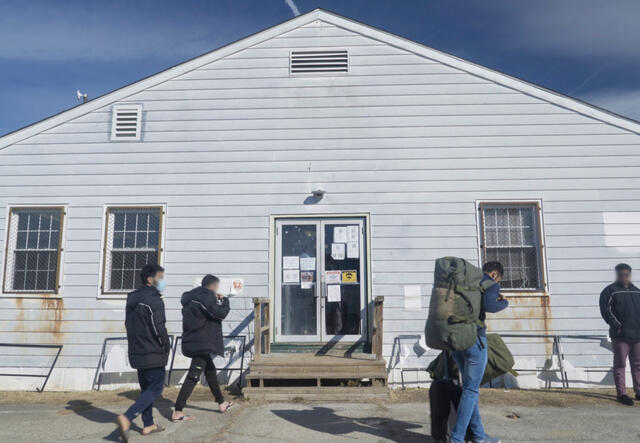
{"points": [[626, 400], [487, 439]]}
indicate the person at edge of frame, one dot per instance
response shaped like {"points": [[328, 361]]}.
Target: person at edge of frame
{"points": [[620, 308], [472, 361], [149, 348], [203, 311]]}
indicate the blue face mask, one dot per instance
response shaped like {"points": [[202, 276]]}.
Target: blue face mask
{"points": [[161, 285]]}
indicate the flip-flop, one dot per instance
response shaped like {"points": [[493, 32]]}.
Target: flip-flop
{"points": [[159, 428], [231, 404], [185, 417]]}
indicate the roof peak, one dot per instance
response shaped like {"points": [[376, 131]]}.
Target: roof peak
{"points": [[337, 20]]}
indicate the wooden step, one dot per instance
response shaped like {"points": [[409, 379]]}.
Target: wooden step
{"points": [[352, 394]]}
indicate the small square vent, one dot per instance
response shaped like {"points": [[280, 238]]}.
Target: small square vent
{"points": [[318, 62], [125, 122]]}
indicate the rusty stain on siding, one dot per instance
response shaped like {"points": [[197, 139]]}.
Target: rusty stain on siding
{"points": [[50, 320]]}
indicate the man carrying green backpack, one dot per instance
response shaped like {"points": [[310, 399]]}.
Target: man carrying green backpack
{"points": [[461, 297]]}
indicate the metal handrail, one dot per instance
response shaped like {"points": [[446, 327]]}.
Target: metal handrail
{"points": [[103, 356], [46, 377], [557, 350]]}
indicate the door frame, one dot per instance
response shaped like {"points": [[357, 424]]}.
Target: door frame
{"points": [[272, 261]]}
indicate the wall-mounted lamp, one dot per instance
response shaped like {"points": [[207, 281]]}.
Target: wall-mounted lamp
{"points": [[318, 193]]}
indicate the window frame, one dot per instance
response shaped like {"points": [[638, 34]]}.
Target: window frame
{"points": [[57, 293], [543, 290], [105, 235]]}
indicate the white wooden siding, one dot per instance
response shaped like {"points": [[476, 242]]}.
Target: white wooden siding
{"points": [[405, 138]]}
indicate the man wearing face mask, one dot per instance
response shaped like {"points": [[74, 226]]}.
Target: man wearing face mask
{"points": [[148, 347]]}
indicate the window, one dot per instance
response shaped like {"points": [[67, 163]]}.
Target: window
{"points": [[34, 245], [511, 234], [126, 122], [133, 239]]}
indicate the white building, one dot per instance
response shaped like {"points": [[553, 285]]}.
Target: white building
{"points": [[209, 167]]}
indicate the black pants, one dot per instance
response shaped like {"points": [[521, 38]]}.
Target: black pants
{"points": [[198, 364]]}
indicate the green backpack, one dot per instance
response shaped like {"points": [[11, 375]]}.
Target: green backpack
{"points": [[455, 304]]}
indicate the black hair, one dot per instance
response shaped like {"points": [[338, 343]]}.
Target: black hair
{"points": [[491, 266], [149, 271], [209, 279], [623, 267]]}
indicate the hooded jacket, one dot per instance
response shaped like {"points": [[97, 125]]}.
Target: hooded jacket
{"points": [[202, 315], [620, 308], [147, 335]]}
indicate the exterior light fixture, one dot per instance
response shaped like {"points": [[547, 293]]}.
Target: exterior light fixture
{"points": [[318, 193]]}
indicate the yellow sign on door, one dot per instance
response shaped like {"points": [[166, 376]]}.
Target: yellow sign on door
{"points": [[349, 276]]}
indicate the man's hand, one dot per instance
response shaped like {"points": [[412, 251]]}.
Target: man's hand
{"points": [[219, 296], [501, 297]]}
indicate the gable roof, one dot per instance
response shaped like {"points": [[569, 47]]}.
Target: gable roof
{"points": [[319, 14]]}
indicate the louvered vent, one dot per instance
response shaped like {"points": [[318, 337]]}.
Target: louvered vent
{"points": [[126, 122], [318, 62]]}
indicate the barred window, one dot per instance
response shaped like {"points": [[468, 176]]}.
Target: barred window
{"points": [[511, 235], [32, 262], [133, 239]]}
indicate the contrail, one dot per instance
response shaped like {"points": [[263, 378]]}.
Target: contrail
{"points": [[294, 8]]}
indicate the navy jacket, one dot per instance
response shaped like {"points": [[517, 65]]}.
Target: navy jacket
{"points": [[620, 308], [147, 335], [490, 303], [202, 315]]}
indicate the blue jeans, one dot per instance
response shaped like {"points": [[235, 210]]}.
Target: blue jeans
{"points": [[471, 363], [151, 384]]}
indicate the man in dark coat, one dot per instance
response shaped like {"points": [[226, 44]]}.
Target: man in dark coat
{"points": [[203, 310], [149, 347], [620, 308]]}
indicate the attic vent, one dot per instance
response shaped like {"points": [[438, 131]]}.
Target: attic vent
{"points": [[314, 62], [126, 122]]}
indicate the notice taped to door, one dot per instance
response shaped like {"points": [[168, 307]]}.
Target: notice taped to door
{"points": [[332, 277], [333, 293], [349, 276]]}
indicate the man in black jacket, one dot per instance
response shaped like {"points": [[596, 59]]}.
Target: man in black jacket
{"points": [[203, 310], [148, 347], [620, 308]]}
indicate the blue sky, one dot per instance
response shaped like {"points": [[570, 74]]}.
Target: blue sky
{"points": [[583, 48]]}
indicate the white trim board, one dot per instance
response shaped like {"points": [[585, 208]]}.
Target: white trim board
{"points": [[348, 24]]}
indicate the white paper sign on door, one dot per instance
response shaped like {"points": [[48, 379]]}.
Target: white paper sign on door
{"points": [[307, 263], [353, 233], [332, 277], [340, 234], [290, 276], [291, 262], [333, 293], [353, 250], [337, 251]]}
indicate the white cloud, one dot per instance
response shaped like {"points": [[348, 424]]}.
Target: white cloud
{"points": [[294, 8], [571, 27], [623, 102], [35, 32]]}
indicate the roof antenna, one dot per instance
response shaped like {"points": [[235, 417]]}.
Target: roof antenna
{"points": [[81, 96]]}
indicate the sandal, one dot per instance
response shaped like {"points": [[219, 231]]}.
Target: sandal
{"points": [[158, 428], [185, 417]]}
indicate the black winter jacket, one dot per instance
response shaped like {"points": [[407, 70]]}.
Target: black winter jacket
{"points": [[620, 308], [202, 315], [147, 336]]}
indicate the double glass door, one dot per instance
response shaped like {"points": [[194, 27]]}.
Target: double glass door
{"points": [[320, 280]]}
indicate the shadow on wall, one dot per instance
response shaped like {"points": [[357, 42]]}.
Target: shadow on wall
{"points": [[325, 420]]}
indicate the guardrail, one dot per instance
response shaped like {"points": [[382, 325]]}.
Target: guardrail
{"points": [[261, 327], [557, 350], [46, 377], [103, 357], [243, 346]]}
